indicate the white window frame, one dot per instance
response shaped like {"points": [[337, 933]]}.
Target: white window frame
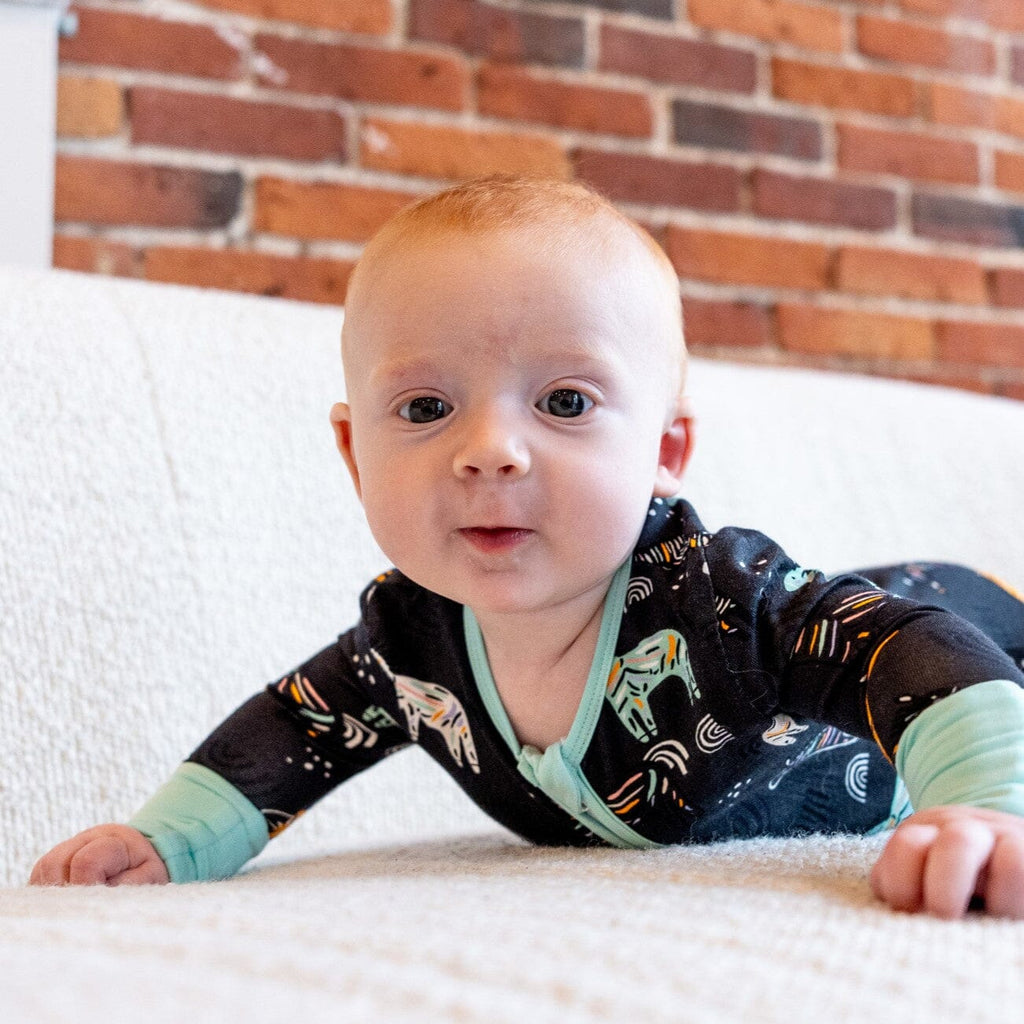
{"points": [[28, 105]]}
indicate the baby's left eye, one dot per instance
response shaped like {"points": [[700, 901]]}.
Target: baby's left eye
{"points": [[565, 402]]}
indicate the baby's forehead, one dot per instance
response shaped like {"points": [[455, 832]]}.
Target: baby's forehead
{"points": [[602, 243]]}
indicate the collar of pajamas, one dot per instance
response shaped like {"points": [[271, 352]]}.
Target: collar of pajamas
{"points": [[732, 694]]}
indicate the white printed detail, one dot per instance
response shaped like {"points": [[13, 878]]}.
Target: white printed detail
{"points": [[783, 731], [711, 736], [857, 777]]}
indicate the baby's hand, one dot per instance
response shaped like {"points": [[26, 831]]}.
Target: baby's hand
{"points": [[938, 859], [104, 855]]}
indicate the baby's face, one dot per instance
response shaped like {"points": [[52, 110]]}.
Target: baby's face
{"points": [[510, 414]]}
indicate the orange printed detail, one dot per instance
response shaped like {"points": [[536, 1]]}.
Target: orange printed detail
{"points": [[878, 651], [874, 732], [867, 705]]}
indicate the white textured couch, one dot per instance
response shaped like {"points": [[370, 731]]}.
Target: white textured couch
{"points": [[176, 529]]}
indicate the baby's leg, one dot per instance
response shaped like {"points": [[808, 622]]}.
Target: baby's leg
{"points": [[994, 607]]}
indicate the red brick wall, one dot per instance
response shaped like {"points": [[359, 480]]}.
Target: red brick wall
{"points": [[839, 182]]}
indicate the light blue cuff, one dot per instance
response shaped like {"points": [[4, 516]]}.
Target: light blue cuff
{"points": [[967, 748], [202, 827]]}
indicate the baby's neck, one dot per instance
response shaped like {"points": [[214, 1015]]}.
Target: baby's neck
{"points": [[540, 668]]}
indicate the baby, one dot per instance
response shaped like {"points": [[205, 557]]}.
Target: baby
{"points": [[561, 633]]}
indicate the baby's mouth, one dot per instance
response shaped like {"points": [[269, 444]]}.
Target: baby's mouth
{"points": [[496, 538]]}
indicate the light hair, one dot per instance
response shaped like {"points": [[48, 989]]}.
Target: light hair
{"points": [[507, 202]]}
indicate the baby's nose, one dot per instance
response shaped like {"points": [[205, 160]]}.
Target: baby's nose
{"points": [[490, 448]]}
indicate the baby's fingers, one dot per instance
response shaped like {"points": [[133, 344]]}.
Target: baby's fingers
{"points": [[100, 859], [1004, 891], [52, 867], [955, 861], [898, 875]]}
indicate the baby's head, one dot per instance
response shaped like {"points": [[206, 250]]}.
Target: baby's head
{"points": [[514, 362]]}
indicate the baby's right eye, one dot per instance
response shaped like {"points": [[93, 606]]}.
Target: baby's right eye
{"points": [[424, 410]]}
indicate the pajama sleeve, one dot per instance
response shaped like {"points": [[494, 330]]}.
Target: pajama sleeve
{"points": [[274, 757], [967, 748], [840, 650]]}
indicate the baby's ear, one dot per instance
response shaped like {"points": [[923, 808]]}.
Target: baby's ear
{"points": [[676, 449], [341, 421]]}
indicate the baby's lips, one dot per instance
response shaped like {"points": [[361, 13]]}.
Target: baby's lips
{"points": [[495, 538]]}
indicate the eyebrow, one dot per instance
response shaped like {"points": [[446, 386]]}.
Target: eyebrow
{"points": [[400, 370]]}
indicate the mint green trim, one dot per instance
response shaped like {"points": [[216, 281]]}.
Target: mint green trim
{"points": [[556, 771], [485, 684], [202, 827], [591, 703], [967, 748]]}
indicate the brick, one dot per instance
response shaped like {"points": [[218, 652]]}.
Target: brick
{"points": [[907, 154], [677, 61], [959, 107], [303, 209], [371, 74], [953, 219], [726, 324], [775, 21], [1017, 65], [368, 17], [133, 41], [484, 31], [1003, 14], [1009, 171], [1009, 116], [823, 201], [823, 331], [222, 124], [843, 88], [304, 278], [907, 42], [717, 127], [991, 344], [93, 255], [88, 107], [443, 151], [1013, 390], [504, 91], [1008, 287], [112, 192], [734, 258], [636, 178], [868, 270]]}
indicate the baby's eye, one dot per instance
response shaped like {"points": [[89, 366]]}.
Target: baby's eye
{"points": [[565, 402], [424, 410]]}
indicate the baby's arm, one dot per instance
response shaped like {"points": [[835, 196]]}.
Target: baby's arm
{"points": [[244, 783], [104, 855], [941, 699], [963, 762]]}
